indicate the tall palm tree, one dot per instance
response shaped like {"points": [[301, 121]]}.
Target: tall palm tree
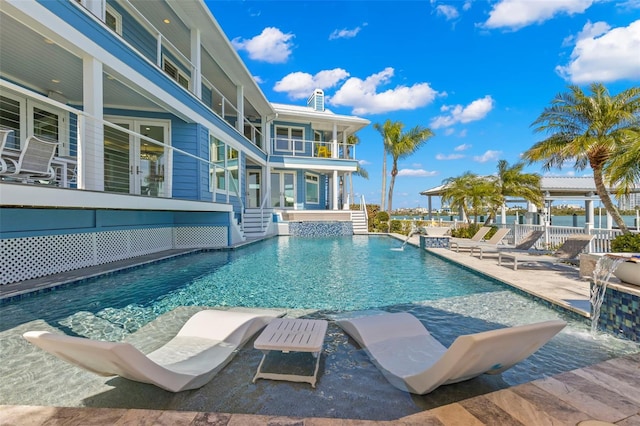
{"points": [[389, 130], [623, 170], [403, 145], [589, 130], [511, 182]]}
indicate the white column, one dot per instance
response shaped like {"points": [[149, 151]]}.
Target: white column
{"points": [[240, 103], [336, 183], [196, 62], [532, 210], [91, 139], [503, 214], [334, 142], [588, 207], [609, 220], [429, 207]]}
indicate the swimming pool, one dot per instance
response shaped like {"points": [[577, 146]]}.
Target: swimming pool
{"points": [[318, 278]]}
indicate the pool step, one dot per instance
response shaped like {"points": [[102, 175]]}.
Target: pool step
{"points": [[256, 223], [359, 220]]}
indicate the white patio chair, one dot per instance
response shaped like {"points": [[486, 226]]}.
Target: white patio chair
{"points": [[34, 162], [4, 135]]}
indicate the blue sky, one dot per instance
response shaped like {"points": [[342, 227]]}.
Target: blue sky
{"points": [[477, 73]]}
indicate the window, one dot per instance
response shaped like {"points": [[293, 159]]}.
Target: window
{"points": [[290, 139], [175, 73], [232, 168], [312, 195], [113, 19], [217, 172]]}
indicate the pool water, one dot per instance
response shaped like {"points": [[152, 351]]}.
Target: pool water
{"points": [[340, 274], [319, 278]]}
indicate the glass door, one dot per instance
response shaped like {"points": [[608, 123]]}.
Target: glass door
{"points": [[117, 167], [151, 164], [253, 188], [283, 189]]}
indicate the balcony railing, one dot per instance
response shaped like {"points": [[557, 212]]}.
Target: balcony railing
{"points": [[312, 149]]}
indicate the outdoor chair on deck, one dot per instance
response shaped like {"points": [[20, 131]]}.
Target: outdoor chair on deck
{"points": [[478, 236], [491, 242], [412, 360], [34, 162], [4, 135], [523, 246], [567, 252]]}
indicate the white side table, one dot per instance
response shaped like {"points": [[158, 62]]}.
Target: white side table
{"points": [[291, 335]]}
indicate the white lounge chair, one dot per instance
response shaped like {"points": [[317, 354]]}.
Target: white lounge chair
{"points": [[527, 242], [202, 347], [491, 242], [478, 236], [414, 361]]}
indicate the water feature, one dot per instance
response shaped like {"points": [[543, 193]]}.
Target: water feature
{"points": [[401, 248], [601, 274]]}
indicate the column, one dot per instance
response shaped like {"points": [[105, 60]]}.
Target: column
{"points": [[240, 103], [91, 134], [429, 207], [334, 142], [196, 63], [336, 183], [609, 220], [589, 214]]}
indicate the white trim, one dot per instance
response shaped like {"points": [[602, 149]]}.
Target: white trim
{"points": [[117, 16], [307, 175]]}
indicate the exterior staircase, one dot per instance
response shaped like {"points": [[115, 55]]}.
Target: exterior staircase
{"points": [[256, 223], [359, 220]]}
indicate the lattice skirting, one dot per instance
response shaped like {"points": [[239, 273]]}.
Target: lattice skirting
{"points": [[33, 257]]}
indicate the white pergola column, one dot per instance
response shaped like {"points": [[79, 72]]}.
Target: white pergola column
{"points": [[609, 220], [91, 131], [240, 103], [430, 215], [503, 214], [589, 211], [196, 63]]}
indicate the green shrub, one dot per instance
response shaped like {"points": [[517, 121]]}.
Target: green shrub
{"points": [[382, 216], [466, 232], [626, 243], [396, 226]]}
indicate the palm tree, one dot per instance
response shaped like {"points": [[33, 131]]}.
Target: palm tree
{"points": [[402, 145], [389, 131], [623, 170], [511, 182], [590, 130], [456, 192]]}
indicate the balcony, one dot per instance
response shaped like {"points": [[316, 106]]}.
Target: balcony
{"points": [[290, 147]]}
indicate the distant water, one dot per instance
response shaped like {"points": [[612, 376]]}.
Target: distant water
{"points": [[600, 221]]}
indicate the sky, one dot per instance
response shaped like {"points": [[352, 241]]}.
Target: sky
{"points": [[477, 73]]}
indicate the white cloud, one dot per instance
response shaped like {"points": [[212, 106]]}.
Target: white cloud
{"points": [[449, 131], [299, 85], [272, 46], [345, 33], [462, 147], [487, 156], [467, 5], [363, 96], [363, 162], [516, 14], [416, 173], [476, 110], [449, 157], [603, 54], [463, 133], [449, 12], [258, 79]]}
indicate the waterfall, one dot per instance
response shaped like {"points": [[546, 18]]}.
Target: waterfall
{"points": [[601, 274]]}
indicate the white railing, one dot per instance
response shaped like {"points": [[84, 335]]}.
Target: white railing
{"points": [[103, 152], [363, 207], [312, 149]]}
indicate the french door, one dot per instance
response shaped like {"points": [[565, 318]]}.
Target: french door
{"points": [[254, 188], [133, 164], [283, 189]]}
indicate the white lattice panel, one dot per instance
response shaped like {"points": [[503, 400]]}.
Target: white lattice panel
{"points": [[32, 257], [112, 246], [146, 241], [201, 237]]}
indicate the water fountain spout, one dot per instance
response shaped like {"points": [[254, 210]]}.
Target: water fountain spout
{"points": [[401, 248], [601, 275]]}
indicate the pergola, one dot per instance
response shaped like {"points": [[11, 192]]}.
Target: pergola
{"points": [[581, 189]]}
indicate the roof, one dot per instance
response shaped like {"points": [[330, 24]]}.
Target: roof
{"points": [[351, 123], [554, 187]]}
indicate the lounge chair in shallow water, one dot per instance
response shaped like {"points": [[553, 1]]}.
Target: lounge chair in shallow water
{"points": [[202, 347], [412, 360]]}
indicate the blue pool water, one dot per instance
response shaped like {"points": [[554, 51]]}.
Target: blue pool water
{"points": [[317, 278], [338, 274]]}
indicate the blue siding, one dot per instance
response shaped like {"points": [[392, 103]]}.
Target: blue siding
{"points": [[25, 222], [135, 34], [185, 136]]}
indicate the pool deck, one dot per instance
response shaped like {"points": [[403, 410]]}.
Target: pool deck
{"points": [[607, 391]]}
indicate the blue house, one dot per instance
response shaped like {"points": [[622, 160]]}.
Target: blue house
{"points": [[160, 138]]}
